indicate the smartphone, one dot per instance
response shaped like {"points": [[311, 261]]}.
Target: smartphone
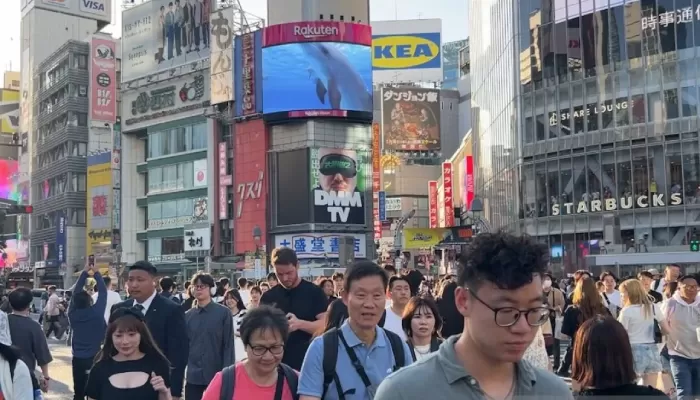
{"points": [[91, 260]]}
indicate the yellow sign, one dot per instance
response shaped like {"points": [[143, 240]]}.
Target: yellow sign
{"points": [[422, 238], [11, 80], [421, 50], [9, 111], [99, 212]]}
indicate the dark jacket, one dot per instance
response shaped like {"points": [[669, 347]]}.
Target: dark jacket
{"points": [[88, 323], [166, 321], [435, 343]]}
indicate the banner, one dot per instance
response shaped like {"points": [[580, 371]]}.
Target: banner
{"points": [[248, 73], [339, 180], [411, 118], [225, 180], [469, 184], [61, 237], [98, 10], [422, 238], [199, 170], [448, 194], [99, 212], [433, 204], [376, 179], [382, 206], [162, 34], [320, 245], [197, 239], [317, 31], [9, 111], [103, 78], [221, 67]]}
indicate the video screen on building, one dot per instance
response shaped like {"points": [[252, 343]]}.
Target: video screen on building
{"points": [[320, 79]]}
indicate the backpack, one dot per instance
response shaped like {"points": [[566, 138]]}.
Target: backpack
{"points": [[285, 373], [331, 341], [434, 346]]}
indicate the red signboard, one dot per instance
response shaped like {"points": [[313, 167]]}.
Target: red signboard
{"points": [[448, 195], [317, 31], [250, 185], [248, 101], [433, 203], [103, 74], [469, 177]]}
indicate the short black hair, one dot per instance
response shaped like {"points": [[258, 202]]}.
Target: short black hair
{"points": [[271, 276], [606, 274], [395, 278], [187, 285], [390, 268], [687, 276], [364, 269], [645, 274], [166, 283], [144, 266], [52, 287], [263, 318], [503, 259], [242, 283], [82, 300], [204, 279], [20, 299], [284, 256], [224, 281], [337, 275], [107, 280]]}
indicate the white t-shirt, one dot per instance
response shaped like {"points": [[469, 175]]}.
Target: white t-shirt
{"points": [[112, 299], [245, 295], [614, 298], [640, 327], [392, 323], [421, 351]]}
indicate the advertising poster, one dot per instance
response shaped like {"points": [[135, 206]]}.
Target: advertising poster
{"points": [[9, 111], [61, 237], [225, 180], [469, 182], [99, 213], [422, 238], [295, 207], [250, 182], [339, 184], [450, 63], [150, 105], [8, 173], [199, 171], [320, 245], [221, 64], [433, 204], [448, 195], [407, 51], [247, 54], [99, 10], [319, 69], [197, 239], [411, 119], [103, 77], [376, 179], [162, 34]]}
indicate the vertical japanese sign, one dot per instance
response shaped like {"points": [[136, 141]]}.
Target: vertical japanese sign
{"points": [[248, 73], [382, 206], [221, 40], [469, 177], [376, 180], [225, 180], [433, 203], [61, 237], [447, 190], [103, 96]]}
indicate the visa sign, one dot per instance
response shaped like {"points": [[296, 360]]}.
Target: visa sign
{"points": [[416, 51], [92, 6]]}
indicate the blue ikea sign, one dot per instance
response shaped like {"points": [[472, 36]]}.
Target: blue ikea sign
{"points": [[406, 51]]}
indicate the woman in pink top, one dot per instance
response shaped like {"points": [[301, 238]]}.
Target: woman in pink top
{"points": [[264, 330]]}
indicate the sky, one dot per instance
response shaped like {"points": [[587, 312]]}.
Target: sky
{"points": [[452, 12]]}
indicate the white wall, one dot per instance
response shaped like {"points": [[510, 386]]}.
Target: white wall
{"points": [[133, 187], [465, 106]]}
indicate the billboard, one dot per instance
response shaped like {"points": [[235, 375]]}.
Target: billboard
{"points": [[221, 64], [162, 34], [319, 69], [99, 215], [225, 180], [320, 245], [376, 179], [411, 118], [61, 237], [407, 51], [199, 171], [450, 63], [248, 77], [250, 182], [9, 172], [9, 111], [447, 189], [422, 238], [99, 10], [294, 207], [11, 80], [197, 239], [432, 204], [339, 185], [103, 78], [151, 105]]}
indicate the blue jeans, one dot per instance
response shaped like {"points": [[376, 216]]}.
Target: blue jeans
{"points": [[686, 376]]}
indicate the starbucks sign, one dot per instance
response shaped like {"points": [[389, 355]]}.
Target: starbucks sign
{"points": [[623, 203]]}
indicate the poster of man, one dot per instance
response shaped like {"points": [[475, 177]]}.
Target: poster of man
{"points": [[411, 119], [339, 180]]}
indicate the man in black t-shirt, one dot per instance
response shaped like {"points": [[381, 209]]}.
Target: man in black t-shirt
{"points": [[302, 301], [414, 279], [647, 278]]}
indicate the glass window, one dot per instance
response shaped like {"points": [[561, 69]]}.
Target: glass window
{"points": [[650, 32], [185, 207], [674, 169], [671, 103], [594, 176], [541, 188], [640, 173], [170, 177], [633, 31], [574, 50], [188, 177], [624, 173], [691, 171], [173, 245], [154, 211], [199, 136], [579, 180], [689, 98], [169, 209], [638, 109], [553, 184], [78, 216], [154, 246], [528, 191], [82, 182], [655, 106], [155, 179], [560, 46], [618, 47], [567, 183], [608, 177], [657, 172], [588, 40], [667, 32], [529, 130]]}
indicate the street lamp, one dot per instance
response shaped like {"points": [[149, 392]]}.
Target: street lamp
{"points": [[474, 216]]}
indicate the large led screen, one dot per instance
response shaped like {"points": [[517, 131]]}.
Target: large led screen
{"points": [[317, 79], [8, 175]]}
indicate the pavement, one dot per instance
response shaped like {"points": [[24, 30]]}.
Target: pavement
{"points": [[61, 372]]}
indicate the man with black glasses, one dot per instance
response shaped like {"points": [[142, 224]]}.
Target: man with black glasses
{"points": [[337, 175], [499, 294]]}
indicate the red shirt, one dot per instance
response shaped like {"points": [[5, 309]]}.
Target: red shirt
{"points": [[245, 388]]}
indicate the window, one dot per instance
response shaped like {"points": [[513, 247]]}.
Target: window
{"points": [[155, 179], [154, 210], [82, 61], [177, 140], [689, 98], [79, 183], [80, 149], [155, 246], [173, 246], [78, 216], [169, 209], [671, 103], [187, 174], [185, 207]]}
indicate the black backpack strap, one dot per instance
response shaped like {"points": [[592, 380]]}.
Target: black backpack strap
{"points": [[330, 359], [228, 382], [413, 351], [435, 344], [13, 364], [397, 349], [292, 381], [382, 320]]}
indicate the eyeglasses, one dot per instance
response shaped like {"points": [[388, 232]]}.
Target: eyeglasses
{"points": [[509, 316], [201, 287], [275, 350], [689, 287]]}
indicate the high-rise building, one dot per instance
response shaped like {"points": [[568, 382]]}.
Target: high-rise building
{"points": [[588, 116]]}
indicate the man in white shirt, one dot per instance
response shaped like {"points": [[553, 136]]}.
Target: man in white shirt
{"points": [[399, 291], [243, 290], [671, 274], [611, 295], [112, 297]]}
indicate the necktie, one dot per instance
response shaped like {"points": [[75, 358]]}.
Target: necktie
{"points": [[140, 308]]}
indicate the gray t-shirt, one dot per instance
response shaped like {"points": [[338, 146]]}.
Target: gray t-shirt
{"points": [[450, 381], [29, 338]]}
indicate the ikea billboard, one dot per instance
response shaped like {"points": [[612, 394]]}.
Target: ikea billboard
{"points": [[407, 51]]}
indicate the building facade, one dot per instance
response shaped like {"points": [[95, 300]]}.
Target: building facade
{"points": [[59, 169], [598, 133]]}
